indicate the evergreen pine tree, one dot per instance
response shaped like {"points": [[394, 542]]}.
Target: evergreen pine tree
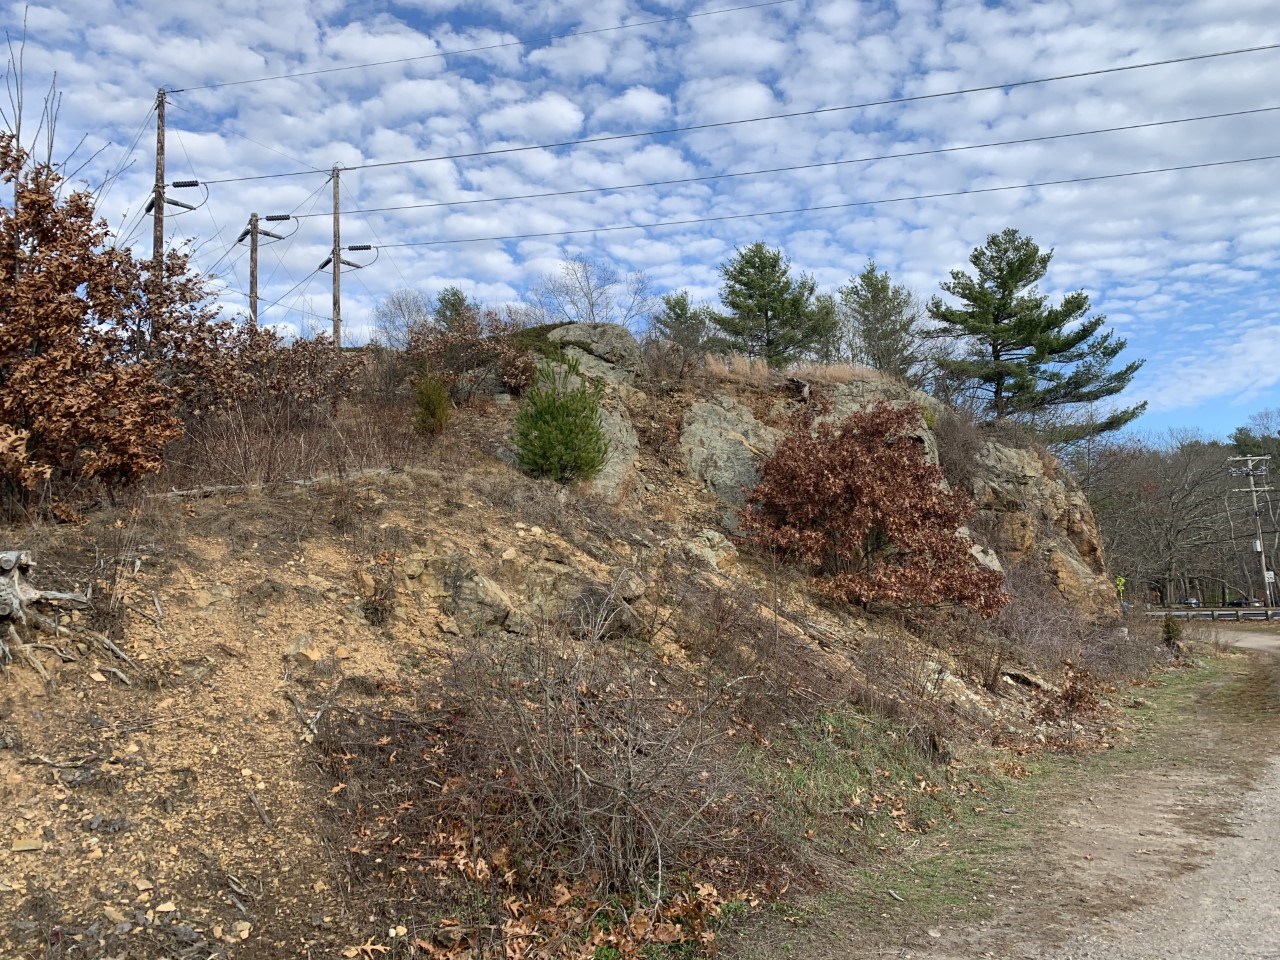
{"points": [[685, 325], [881, 324], [770, 313], [558, 431], [1026, 358]]}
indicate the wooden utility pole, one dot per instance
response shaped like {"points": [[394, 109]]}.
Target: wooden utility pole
{"points": [[157, 211], [253, 270], [337, 262], [253, 231], [1253, 490]]}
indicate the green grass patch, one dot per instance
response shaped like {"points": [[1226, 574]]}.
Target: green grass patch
{"points": [[932, 857]]}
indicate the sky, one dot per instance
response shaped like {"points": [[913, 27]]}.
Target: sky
{"points": [[1184, 264]]}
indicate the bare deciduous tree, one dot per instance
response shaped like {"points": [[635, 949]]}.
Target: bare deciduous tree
{"points": [[398, 314], [591, 291]]}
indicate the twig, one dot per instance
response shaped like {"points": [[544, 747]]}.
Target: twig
{"points": [[257, 805], [896, 897]]}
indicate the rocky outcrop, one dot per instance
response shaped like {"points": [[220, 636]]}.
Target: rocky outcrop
{"points": [[616, 478], [848, 398], [604, 351], [721, 444], [1035, 513]]}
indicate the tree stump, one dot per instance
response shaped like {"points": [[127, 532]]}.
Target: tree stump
{"points": [[20, 613]]}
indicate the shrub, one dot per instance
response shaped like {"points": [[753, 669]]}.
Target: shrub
{"points": [[78, 404], [558, 430], [475, 355], [861, 503], [430, 404]]}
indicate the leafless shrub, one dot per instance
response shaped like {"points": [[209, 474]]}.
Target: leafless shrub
{"points": [[604, 778], [668, 365], [1040, 629], [904, 682], [538, 502], [736, 368], [959, 443], [258, 446]]}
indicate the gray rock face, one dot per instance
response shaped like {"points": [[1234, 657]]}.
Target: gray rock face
{"points": [[624, 447], [848, 398], [604, 351], [721, 444], [712, 548]]}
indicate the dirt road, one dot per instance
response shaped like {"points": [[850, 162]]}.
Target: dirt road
{"points": [[1226, 906]]}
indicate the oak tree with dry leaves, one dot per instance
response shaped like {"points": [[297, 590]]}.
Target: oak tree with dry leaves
{"points": [[81, 399], [860, 502]]}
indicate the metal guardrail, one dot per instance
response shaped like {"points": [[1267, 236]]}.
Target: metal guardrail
{"points": [[1216, 613]]}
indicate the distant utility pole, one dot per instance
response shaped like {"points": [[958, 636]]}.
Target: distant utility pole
{"points": [[1250, 471], [157, 226], [335, 258], [253, 231]]}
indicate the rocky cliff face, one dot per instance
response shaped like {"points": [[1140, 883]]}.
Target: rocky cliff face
{"points": [[1036, 514], [1030, 511]]}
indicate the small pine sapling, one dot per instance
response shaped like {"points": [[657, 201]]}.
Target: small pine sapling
{"points": [[558, 430], [430, 403]]}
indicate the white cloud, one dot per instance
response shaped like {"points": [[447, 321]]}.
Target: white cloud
{"points": [[1183, 262]]}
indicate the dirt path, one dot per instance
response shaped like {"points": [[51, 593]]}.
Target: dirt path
{"points": [[1198, 862], [1168, 847]]}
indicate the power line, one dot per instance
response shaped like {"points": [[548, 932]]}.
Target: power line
{"points": [[217, 231], [236, 133], [486, 47], [109, 181], [839, 206], [377, 240], [894, 101], [809, 166]]}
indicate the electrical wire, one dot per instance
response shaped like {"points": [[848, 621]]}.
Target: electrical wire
{"points": [[314, 197], [236, 133], [807, 166], [486, 47], [217, 231], [109, 181], [818, 111], [376, 239], [838, 206]]}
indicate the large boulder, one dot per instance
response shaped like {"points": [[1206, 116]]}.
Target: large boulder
{"points": [[721, 444], [604, 351], [616, 478], [848, 398], [1037, 514]]}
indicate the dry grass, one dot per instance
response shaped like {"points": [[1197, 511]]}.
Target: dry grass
{"points": [[838, 374], [736, 368], [257, 447]]}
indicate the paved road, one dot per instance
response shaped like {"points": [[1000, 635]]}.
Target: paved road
{"points": [[1229, 909], [1251, 639]]}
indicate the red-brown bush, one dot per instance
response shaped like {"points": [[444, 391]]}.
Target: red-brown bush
{"points": [[860, 502], [475, 355], [77, 401]]}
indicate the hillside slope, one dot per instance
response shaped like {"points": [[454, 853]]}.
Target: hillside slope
{"points": [[319, 671]]}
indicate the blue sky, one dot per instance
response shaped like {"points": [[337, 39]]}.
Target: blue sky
{"points": [[1184, 264]]}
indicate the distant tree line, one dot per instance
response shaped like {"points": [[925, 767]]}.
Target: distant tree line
{"points": [[991, 344]]}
